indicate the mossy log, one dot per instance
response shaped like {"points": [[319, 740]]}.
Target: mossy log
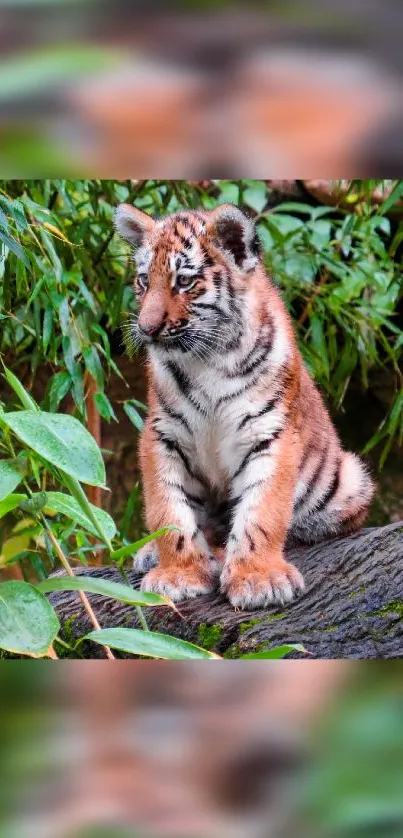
{"points": [[352, 608]]}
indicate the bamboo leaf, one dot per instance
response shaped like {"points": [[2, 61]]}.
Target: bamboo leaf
{"points": [[62, 440], [150, 644], [104, 587], [276, 653]]}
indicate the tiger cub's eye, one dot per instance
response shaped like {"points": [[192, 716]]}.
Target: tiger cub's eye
{"points": [[142, 280], [185, 282]]}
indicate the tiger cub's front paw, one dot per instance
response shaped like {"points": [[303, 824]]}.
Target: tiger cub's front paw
{"points": [[248, 585], [146, 557], [179, 583]]}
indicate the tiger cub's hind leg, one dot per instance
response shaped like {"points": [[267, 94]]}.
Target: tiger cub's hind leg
{"points": [[340, 507]]}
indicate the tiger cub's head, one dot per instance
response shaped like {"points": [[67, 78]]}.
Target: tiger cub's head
{"points": [[192, 274]]}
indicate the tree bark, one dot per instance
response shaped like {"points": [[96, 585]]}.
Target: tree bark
{"points": [[352, 608]]}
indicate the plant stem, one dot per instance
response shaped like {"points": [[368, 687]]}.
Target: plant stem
{"points": [[64, 561], [66, 645], [139, 610], [52, 654], [94, 427]]}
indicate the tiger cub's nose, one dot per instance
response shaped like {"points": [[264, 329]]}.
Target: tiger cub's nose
{"points": [[149, 328]]}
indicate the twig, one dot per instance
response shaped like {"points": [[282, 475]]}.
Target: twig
{"points": [[69, 571], [307, 309]]}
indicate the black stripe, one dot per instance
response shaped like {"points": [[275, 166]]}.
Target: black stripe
{"points": [[226, 506], [193, 498], [217, 279], [256, 246], [252, 486], [252, 351], [235, 342], [182, 382], [307, 453], [265, 409], [251, 542], [230, 289], [266, 534], [233, 299], [177, 486], [180, 542], [242, 371], [186, 240], [331, 491], [173, 414], [211, 307], [312, 483], [172, 445], [199, 292], [189, 497], [207, 260], [260, 447], [240, 392]]}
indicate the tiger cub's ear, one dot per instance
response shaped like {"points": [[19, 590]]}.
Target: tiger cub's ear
{"points": [[133, 224], [235, 233]]}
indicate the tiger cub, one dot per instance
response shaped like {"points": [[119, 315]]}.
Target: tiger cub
{"points": [[238, 449]]}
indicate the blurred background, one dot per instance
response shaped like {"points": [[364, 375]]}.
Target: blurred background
{"points": [[204, 88], [254, 750]]}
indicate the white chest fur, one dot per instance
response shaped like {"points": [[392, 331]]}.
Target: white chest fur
{"points": [[221, 418]]}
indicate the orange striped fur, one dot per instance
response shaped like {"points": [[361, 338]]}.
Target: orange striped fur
{"points": [[238, 449]]}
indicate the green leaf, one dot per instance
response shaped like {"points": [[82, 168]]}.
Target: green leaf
{"points": [[93, 364], [3, 220], [10, 503], [319, 342], [276, 653], [64, 316], [133, 415], [394, 196], [149, 643], [114, 590], [104, 406], [256, 196], [131, 504], [69, 507], [10, 477], [132, 548], [14, 246], [78, 493], [58, 388], [36, 290], [48, 319], [294, 206], [62, 440], [34, 504], [19, 390], [28, 623]]}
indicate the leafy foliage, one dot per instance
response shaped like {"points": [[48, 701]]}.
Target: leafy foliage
{"points": [[28, 623]]}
